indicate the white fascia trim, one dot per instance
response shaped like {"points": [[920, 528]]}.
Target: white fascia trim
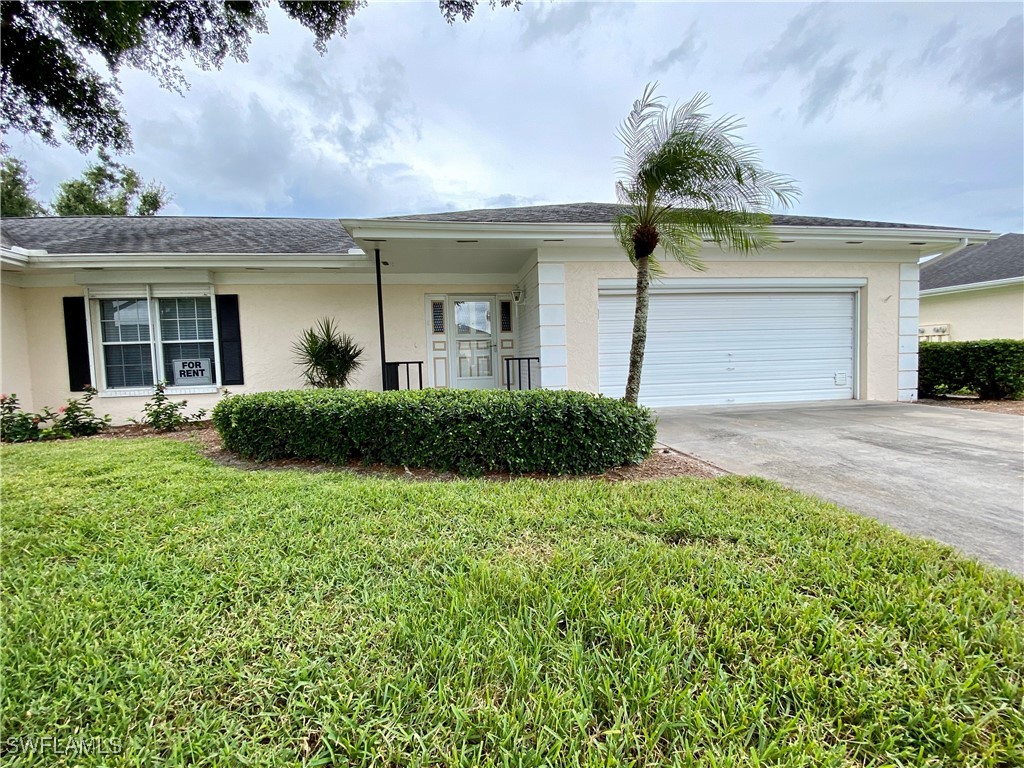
{"points": [[734, 284], [1004, 283], [196, 260], [884, 234], [13, 257], [363, 278], [398, 229]]}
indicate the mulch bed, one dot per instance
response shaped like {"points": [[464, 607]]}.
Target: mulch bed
{"points": [[663, 463], [974, 404]]}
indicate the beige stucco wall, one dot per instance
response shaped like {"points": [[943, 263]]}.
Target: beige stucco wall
{"points": [[15, 375], [271, 317], [878, 372], [990, 313], [274, 312]]}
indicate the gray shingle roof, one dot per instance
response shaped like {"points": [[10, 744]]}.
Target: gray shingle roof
{"points": [[604, 213], [201, 234], [998, 259], [177, 234]]}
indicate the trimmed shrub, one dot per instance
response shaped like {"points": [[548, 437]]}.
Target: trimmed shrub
{"points": [[466, 431], [993, 368]]}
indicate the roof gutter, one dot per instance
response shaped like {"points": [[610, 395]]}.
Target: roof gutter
{"points": [[401, 229], [964, 242], [1003, 283]]}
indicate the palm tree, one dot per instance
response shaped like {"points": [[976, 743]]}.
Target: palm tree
{"points": [[685, 179], [327, 356]]}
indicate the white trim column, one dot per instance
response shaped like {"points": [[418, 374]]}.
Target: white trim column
{"points": [[551, 312], [910, 281]]}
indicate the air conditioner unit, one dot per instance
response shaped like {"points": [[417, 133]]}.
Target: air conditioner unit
{"points": [[933, 332]]}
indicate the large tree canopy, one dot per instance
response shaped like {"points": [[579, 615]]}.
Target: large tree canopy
{"points": [[48, 80]]}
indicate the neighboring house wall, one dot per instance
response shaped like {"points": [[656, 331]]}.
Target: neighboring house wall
{"points": [[271, 318], [887, 330], [15, 371], [989, 313]]}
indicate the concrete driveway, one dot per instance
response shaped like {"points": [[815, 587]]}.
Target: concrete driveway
{"points": [[953, 475]]}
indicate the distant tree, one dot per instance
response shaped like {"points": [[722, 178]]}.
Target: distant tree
{"points": [[47, 77], [109, 188], [17, 189]]}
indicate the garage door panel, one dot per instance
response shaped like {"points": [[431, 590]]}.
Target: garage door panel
{"points": [[732, 348]]}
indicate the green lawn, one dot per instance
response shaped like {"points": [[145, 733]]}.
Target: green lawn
{"points": [[204, 615]]}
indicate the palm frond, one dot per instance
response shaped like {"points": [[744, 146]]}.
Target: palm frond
{"points": [[682, 244], [638, 132], [691, 177], [623, 227], [743, 231]]}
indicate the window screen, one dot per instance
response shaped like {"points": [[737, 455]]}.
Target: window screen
{"points": [[124, 330], [186, 332]]}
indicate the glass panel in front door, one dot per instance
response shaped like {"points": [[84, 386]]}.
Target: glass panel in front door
{"points": [[474, 343]]}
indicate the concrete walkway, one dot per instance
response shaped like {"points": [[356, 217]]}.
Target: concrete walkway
{"points": [[953, 475]]}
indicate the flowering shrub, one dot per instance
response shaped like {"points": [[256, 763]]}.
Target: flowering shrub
{"points": [[76, 419], [18, 426]]}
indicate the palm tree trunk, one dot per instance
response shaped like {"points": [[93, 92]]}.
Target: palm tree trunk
{"points": [[636, 349]]}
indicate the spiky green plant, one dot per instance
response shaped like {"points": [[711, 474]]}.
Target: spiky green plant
{"points": [[327, 356], [685, 179]]}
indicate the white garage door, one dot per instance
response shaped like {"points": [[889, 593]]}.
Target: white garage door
{"points": [[723, 348]]}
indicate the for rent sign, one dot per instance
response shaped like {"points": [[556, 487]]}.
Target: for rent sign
{"points": [[188, 372]]}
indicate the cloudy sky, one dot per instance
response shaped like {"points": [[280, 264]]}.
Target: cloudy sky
{"points": [[881, 110]]}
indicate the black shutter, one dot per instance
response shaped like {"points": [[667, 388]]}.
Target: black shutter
{"points": [[77, 338], [230, 334]]}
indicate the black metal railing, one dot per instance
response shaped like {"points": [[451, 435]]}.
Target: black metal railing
{"points": [[392, 380], [519, 378]]}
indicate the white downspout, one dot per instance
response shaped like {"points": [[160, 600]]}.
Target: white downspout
{"points": [[964, 242]]}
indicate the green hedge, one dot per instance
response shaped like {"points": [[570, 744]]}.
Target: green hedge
{"points": [[994, 368], [465, 431]]}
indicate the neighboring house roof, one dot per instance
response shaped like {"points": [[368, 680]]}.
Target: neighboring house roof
{"points": [[605, 213], [1000, 259], [176, 234]]}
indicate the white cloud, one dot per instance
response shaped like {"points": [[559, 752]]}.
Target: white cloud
{"points": [[884, 111]]}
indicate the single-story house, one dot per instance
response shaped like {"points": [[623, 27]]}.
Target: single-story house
{"points": [[516, 297], [975, 293]]}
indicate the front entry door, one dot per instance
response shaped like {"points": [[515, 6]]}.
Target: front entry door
{"points": [[473, 348]]}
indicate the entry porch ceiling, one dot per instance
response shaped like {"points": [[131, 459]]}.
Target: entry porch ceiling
{"points": [[423, 256]]}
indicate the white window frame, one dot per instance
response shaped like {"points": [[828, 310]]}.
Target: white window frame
{"points": [[97, 361]]}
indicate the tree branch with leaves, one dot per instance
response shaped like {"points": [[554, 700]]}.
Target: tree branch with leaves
{"points": [[47, 79]]}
